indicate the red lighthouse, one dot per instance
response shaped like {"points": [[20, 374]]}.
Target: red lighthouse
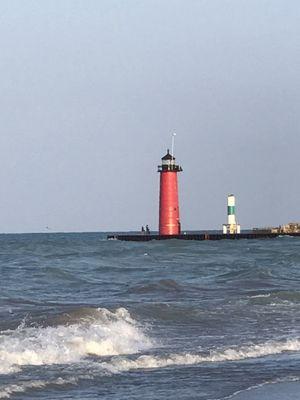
{"points": [[169, 222]]}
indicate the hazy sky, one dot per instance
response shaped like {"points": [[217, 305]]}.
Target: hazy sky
{"points": [[91, 91]]}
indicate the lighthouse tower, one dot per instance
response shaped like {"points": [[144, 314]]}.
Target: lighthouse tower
{"points": [[169, 222], [231, 227]]}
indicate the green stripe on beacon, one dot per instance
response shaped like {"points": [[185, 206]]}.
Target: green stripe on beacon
{"points": [[231, 210]]}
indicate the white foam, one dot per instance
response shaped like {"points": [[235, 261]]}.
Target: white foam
{"points": [[106, 334], [260, 296], [272, 382], [21, 387], [231, 354], [118, 337]]}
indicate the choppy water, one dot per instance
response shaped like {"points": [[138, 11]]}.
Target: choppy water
{"points": [[86, 318]]}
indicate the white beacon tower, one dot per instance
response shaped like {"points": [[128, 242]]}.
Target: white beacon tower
{"points": [[231, 227]]}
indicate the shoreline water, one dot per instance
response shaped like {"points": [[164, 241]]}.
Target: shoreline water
{"points": [[270, 391]]}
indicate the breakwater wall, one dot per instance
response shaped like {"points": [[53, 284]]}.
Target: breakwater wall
{"points": [[196, 236]]}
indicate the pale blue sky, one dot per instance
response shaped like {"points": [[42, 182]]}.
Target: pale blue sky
{"points": [[92, 90]]}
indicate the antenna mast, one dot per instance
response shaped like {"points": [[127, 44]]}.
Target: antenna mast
{"points": [[173, 143]]}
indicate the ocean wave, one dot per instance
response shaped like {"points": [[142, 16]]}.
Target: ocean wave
{"points": [[288, 379], [104, 333], [231, 354], [162, 285], [258, 296], [122, 356], [21, 387], [100, 332], [170, 312], [280, 297]]}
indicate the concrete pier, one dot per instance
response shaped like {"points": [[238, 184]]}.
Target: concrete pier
{"points": [[201, 236]]}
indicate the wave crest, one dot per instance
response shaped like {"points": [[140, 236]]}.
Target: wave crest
{"points": [[231, 354], [7, 391], [106, 334]]}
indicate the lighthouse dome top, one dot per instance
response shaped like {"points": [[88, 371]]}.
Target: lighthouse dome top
{"points": [[168, 156], [168, 163]]}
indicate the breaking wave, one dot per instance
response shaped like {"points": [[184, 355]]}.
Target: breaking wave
{"points": [[260, 385], [231, 354], [106, 333], [21, 387], [102, 333]]}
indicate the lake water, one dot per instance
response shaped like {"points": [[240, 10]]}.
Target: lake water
{"points": [[86, 318]]}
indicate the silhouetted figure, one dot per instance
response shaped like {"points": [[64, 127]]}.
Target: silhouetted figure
{"points": [[143, 230], [147, 230]]}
